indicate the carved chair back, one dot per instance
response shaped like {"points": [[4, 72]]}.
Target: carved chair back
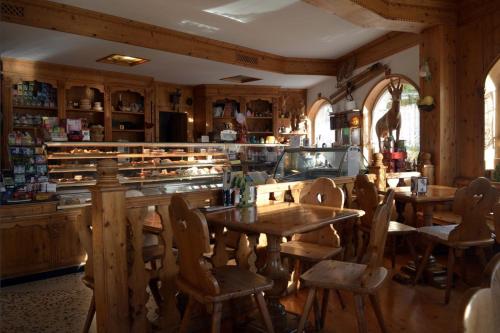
{"points": [[496, 221], [378, 233], [480, 197], [458, 206], [192, 238], [367, 198], [323, 192]]}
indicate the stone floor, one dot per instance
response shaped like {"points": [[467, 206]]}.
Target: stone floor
{"points": [[57, 304]]}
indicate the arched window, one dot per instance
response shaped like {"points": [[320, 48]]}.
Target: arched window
{"points": [[376, 105], [491, 94], [323, 135], [410, 119]]}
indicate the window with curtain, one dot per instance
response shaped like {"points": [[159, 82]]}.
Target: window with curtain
{"points": [[322, 132], [410, 119], [489, 123]]}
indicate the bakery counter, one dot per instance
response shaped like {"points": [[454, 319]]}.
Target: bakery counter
{"points": [[36, 237]]}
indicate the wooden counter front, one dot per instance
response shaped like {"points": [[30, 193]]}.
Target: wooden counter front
{"points": [[36, 238]]}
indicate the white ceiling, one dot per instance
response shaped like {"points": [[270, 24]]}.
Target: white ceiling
{"points": [[289, 28], [17, 41]]}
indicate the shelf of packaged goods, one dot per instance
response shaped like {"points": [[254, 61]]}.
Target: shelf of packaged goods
{"points": [[28, 107], [139, 167], [27, 127]]}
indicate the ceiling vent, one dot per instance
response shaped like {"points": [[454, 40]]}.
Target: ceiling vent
{"points": [[9, 9], [240, 79], [122, 60], [247, 59]]}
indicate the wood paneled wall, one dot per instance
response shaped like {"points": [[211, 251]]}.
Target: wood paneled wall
{"points": [[478, 50], [437, 130]]}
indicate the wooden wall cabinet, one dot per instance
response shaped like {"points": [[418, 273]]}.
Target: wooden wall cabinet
{"points": [[36, 238], [260, 98]]}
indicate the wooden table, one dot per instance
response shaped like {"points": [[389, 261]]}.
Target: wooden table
{"points": [[275, 220], [436, 194]]}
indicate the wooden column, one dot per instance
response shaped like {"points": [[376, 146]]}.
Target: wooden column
{"points": [[379, 169], [438, 127], [109, 238]]}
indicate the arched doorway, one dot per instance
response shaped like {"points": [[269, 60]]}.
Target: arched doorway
{"points": [[378, 102], [491, 117]]}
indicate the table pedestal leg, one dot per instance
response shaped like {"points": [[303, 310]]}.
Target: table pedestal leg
{"points": [[275, 271]]}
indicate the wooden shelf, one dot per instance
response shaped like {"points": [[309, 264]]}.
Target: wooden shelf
{"points": [[259, 132], [127, 130], [292, 133], [27, 107], [138, 167], [267, 118], [32, 127], [129, 113], [224, 118], [83, 110]]}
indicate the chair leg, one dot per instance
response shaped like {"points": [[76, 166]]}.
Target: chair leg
{"points": [[317, 313], [264, 312], [409, 241], [423, 262], [307, 309], [155, 291], [393, 251], [482, 256], [187, 314], [216, 317], [449, 279], [296, 275], [378, 312], [90, 315], [360, 313], [324, 306], [341, 300]]}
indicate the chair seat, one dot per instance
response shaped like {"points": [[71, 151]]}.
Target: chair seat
{"points": [[309, 251], [398, 228], [333, 274], [440, 233], [445, 218], [233, 282]]}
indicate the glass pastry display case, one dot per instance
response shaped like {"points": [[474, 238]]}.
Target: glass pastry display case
{"points": [[309, 163], [153, 168]]}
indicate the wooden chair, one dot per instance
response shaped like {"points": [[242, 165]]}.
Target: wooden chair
{"points": [[201, 282], [480, 307], [361, 279], [368, 199], [453, 216], [473, 231], [321, 244]]}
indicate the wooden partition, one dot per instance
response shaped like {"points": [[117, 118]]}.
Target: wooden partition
{"points": [[120, 225]]}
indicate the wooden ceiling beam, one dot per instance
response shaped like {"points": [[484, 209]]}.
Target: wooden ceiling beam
{"points": [[59, 17], [392, 15], [381, 48]]}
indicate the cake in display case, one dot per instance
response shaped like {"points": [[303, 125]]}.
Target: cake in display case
{"points": [[309, 163]]}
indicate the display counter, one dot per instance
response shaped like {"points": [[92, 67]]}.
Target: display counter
{"points": [[154, 168]]}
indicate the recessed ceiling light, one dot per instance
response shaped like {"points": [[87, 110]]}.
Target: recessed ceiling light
{"points": [[123, 60], [240, 79]]}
